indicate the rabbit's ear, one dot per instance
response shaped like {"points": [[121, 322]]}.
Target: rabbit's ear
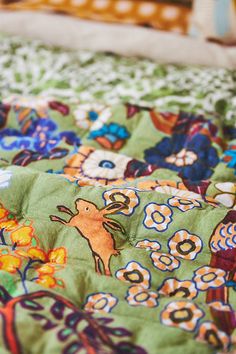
{"points": [[113, 208], [114, 225]]}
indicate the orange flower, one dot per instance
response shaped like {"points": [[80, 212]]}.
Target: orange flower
{"points": [[174, 287], [57, 255], [184, 315], [9, 263], [46, 276], [209, 333], [37, 253], [127, 196], [46, 280], [8, 225], [148, 245], [7, 220], [207, 277], [164, 261], [184, 204], [135, 273], [185, 245], [22, 236], [139, 296], [100, 302], [46, 269], [157, 216], [3, 212]]}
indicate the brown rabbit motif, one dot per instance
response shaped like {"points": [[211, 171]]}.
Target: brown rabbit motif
{"points": [[92, 224]]}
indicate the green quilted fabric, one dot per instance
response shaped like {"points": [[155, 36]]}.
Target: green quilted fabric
{"points": [[117, 204]]}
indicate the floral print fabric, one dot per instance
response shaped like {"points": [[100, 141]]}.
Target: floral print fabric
{"points": [[117, 219]]}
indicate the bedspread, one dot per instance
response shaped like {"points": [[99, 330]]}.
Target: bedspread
{"points": [[117, 204]]}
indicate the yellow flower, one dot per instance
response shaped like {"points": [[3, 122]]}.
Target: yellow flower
{"points": [[37, 253], [46, 280], [7, 221], [9, 263], [46, 269], [8, 225], [57, 255], [55, 258], [46, 276], [3, 212], [22, 236]]}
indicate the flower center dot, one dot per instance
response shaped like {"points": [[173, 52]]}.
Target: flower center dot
{"points": [[166, 260], [141, 297], [107, 164], [100, 304], [209, 277], [158, 217], [93, 116]]}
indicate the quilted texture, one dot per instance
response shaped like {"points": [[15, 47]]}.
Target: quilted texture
{"points": [[117, 219]]}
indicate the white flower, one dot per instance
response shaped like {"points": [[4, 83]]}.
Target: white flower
{"points": [[227, 195], [91, 115], [104, 164], [5, 177]]}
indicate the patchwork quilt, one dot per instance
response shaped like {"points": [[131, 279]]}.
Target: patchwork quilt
{"points": [[117, 204]]}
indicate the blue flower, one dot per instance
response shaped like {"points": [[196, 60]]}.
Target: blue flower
{"points": [[193, 157], [70, 138], [230, 157], [36, 138], [43, 129], [44, 146], [110, 136]]}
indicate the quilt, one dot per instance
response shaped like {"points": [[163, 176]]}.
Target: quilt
{"points": [[117, 204]]}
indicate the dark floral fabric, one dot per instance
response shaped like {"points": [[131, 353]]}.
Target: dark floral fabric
{"points": [[172, 153], [36, 137], [190, 150]]}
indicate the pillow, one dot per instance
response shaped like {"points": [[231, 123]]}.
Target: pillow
{"points": [[165, 15], [214, 20]]}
